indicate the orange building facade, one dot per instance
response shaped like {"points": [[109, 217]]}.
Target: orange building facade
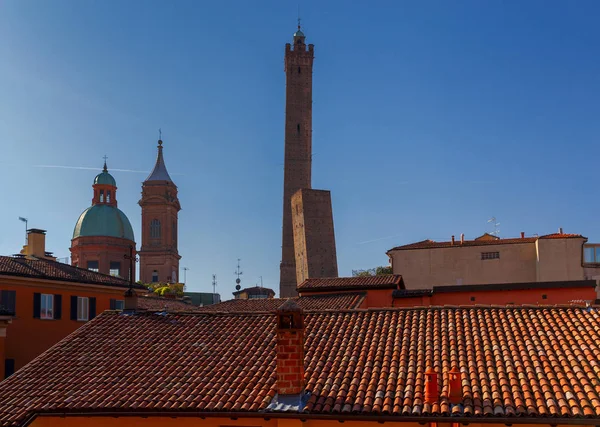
{"points": [[44, 301]]}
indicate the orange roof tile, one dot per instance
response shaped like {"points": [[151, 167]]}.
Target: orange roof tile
{"points": [[53, 270], [386, 281], [516, 363], [308, 303]]}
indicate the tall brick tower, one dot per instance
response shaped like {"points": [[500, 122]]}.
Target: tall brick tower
{"points": [[159, 258], [298, 147]]}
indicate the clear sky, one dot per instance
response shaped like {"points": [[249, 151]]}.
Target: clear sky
{"points": [[430, 117]]}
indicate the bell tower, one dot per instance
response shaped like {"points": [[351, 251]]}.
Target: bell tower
{"points": [[298, 147], [159, 257]]}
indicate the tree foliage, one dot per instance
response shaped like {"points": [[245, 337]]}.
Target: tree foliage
{"points": [[377, 271], [166, 288]]}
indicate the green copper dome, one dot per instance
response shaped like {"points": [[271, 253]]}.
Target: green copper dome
{"points": [[103, 220], [105, 178]]}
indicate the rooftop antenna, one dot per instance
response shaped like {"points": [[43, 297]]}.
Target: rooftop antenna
{"points": [[185, 270], [214, 283], [261, 285], [238, 273], [495, 223]]}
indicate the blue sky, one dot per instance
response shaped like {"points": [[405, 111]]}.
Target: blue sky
{"points": [[430, 117]]}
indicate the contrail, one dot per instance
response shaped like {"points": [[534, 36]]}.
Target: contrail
{"points": [[381, 238], [86, 168]]}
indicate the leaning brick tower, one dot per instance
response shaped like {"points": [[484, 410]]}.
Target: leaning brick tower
{"points": [[298, 147]]}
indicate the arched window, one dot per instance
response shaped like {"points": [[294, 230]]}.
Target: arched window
{"points": [[108, 196], [154, 276], [101, 196], [155, 229]]}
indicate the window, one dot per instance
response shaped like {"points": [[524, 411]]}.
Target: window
{"points": [[154, 276], [115, 268], [472, 298], [490, 255], [47, 307], [591, 254], [117, 304], [93, 266], [8, 301], [298, 128], [155, 229], [544, 296], [299, 70], [108, 196], [9, 367], [83, 308], [175, 232], [101, 196]]}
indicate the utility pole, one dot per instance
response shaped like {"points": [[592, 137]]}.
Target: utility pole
{"points": [[132, 259], [185, 269]]}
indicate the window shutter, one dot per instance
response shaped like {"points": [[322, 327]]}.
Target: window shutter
{"points": [[113, 304], [73, 307], [37, 305], [92, 308], [57, 306]]}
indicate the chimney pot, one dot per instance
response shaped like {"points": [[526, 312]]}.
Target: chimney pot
{"points": [[453, 240], [522, 234], [462, 238], [131, 300], [431, 386], [560, 230], [454, 386]]}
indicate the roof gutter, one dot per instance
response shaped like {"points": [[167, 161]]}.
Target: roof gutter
{"points": [[326, 417]]}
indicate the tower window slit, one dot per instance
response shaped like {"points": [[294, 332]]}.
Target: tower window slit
{"points": [[298, 128]]}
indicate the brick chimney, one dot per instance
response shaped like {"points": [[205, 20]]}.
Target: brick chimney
{"points": [[36, 245], [431, 386], [560, 230], [453, 240], [131, 300], [290, 348], [522, 234], [454, 386]]}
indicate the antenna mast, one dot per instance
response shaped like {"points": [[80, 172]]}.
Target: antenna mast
{"points": [[238, 273], [495, 223], [214, 283]]}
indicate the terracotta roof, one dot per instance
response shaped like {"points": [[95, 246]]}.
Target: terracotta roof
{"points": [[156, 303], [387, 281], [308, 303], [53, 270], [431, 244], [563, 236], [527, 362]]}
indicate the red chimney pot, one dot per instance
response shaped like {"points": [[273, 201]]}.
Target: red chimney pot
{"points": [[431, 386], [522, 234], [452, 240], [454, 386]]}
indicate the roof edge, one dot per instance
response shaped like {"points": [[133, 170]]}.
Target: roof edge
{"points": [[306, 415]]}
